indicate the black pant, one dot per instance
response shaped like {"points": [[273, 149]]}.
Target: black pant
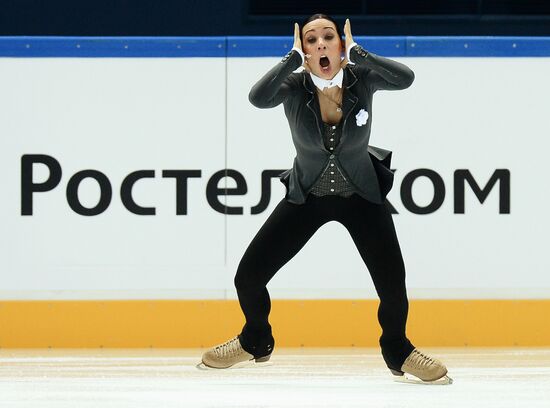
{"points": [[287, 230]]}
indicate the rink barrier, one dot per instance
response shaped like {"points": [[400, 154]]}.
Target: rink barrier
{"points": [[222, 47], [296, 323], [310, 323]]}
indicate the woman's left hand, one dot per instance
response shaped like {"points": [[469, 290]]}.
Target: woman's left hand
{"points": [[349, 40]]}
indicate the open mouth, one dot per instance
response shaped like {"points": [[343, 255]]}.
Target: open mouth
{"points": [[324, 62]]}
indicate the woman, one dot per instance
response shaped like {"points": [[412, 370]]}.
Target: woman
{"points": [[336, 176]]}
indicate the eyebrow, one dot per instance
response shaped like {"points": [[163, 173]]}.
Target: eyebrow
{"points": [[314, 29]]}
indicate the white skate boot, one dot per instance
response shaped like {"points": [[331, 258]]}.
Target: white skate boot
{"points": [[230, 355], [428, 370]]}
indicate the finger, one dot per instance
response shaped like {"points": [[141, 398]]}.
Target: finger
{"points": [[296, 32]]}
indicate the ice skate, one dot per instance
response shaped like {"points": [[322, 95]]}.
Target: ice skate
{"points": [[425, 369], [230, 355]]}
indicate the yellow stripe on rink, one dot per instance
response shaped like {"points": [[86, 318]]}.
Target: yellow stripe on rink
{"points": [[314, 323]]}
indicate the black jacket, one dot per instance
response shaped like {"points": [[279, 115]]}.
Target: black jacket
{"points": [[366, 167]]}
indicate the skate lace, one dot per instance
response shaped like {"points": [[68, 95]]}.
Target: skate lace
{"points": [[228, 349], [421, 360]]}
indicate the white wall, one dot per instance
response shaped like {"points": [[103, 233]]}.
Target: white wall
{"points": [[122, 115]]}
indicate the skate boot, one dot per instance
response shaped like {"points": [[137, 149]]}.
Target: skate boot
{"points": [[229, 354], [429, 370]]}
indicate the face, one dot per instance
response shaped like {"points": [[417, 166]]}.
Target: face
{"points": [[321, 41]]}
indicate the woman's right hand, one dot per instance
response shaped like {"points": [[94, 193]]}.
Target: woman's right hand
{"points": [[297, 41], [298, 44]]}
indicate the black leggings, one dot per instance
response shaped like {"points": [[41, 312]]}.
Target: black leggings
{"points": [[287, 230]]}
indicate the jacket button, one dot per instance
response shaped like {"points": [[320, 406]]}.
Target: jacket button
{"points": [[331, 156]]}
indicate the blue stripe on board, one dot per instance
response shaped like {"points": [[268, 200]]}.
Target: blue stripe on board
{"points": [[387, 46], [279, 46], [258, 46], [478, 46], [119, 47], [155, 47]]}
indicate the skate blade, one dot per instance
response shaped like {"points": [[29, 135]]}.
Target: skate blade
{"points": [[410, 379], [242, 364]]}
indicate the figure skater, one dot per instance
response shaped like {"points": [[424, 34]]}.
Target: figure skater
{"points": [[336, 176]]}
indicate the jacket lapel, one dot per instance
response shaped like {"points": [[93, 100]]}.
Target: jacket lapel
{"points": [[349, 100], [313, 103]]}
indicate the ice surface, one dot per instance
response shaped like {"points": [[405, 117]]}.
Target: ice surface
{"points": [[346, 377]]}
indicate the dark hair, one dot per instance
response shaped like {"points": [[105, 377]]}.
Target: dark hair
{"points": [[317, 17]]}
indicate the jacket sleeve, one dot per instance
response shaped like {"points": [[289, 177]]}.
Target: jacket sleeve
{"points": [[275, 86], [380, 73]]}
